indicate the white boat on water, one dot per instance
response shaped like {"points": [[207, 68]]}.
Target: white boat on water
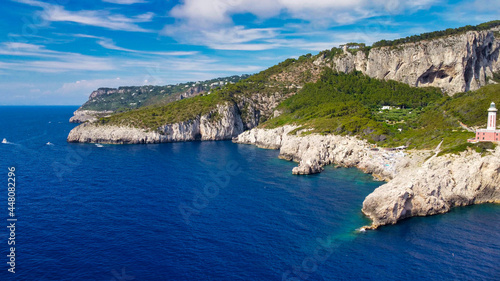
{"points": [[49, 143], [5, 140], [99, 145]]}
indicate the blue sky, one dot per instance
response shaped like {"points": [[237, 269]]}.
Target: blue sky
{"points": [[58, 51]]}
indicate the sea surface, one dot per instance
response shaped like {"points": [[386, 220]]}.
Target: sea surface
{"points": [[211, 211]]}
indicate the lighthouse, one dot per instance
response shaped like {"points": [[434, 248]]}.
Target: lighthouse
{"points": [[492, 117], [490, 133]]}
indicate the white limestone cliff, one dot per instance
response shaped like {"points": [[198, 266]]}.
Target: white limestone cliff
{"points": [[223, 125], [435, 187], [82, 116], [415, 187], [455, 63], [313, 152]]}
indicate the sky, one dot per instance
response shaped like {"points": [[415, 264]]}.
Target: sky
{"points": [[57, 52]]}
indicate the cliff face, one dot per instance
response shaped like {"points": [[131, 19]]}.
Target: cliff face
{"points": [[219, 124], [192, 92], [313, 152], [455, 64], [416, 187], [435, 187], [258, 107], [104, 101], [81, 116]]}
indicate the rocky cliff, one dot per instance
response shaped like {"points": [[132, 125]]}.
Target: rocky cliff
{"points": [[222, 123], [105, 101], [435, 187], [81, 116], [416, 187], [456, 63], [313, 151]]}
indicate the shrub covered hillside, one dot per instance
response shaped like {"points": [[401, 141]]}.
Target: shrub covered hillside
{"points": [[313, 96], [133, 97], [277, 82], [351, 104], [345, 104]]}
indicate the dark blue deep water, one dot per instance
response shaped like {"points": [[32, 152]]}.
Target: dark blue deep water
{"points": [[211, 211]]}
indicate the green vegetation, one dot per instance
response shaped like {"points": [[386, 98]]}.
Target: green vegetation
{"points": [[350, 104], [337, 103], [496, 75], [127, 98], [437, 34], [152, 117], [470, 107], [353, 48], [481, 147], [330, 54], [263, 76]]}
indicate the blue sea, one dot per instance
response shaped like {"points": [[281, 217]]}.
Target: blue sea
{"points": [[211, 211]]}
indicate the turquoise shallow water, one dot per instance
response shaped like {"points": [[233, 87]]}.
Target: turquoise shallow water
{"points": [[212, 211]]}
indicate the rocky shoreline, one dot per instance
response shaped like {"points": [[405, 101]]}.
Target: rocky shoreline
{"points": [[222, 123], [416, 187], [458, 63], [418, 184], [313, 152]]}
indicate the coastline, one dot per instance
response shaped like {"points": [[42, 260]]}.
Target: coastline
{"points": [[416, 184]]}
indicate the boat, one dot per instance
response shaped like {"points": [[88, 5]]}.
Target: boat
{"points": [[5, 140], [98, 145], [49, 143]]}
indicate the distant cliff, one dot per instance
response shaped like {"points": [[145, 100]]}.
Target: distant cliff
{"points": [[105, 101], [456, 63], [222, 123]]}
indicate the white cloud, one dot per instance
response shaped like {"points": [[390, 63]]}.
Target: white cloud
{"points": [[109, 44], [470, 12], [99, 18], [125, 2], [48, 60], [210, 23], [166, 67], [240, 34], [208, 13]]}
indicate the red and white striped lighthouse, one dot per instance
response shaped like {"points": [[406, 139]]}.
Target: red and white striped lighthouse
{"points": [[492, 117]]}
